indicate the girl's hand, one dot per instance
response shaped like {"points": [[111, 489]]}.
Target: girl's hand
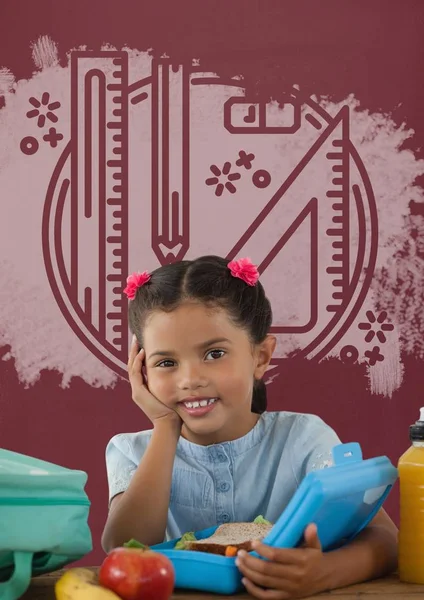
{"points": [[151, 406], [286, 573]]}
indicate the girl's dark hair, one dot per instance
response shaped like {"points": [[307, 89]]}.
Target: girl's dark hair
{"points": [[208, 280]]}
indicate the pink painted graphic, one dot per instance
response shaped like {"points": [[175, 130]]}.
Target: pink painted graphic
{"points": [[161, 161], [92, 300]]}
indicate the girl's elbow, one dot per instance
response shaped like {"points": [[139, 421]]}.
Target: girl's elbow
{"points": [[108, 541]]}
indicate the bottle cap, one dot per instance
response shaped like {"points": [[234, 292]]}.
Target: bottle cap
{"points": [[416, 431]]}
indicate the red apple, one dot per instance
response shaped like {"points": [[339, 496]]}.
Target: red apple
{"points": [[138, 574]]}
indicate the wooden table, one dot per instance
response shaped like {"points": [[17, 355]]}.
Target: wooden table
{"points": [[390, 588]]}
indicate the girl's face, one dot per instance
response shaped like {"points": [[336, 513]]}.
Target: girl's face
{"points": [[196, 356]]}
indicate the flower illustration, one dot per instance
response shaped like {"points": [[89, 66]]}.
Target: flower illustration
{"points": [[228, 178], [376, 326], [374, 356], [43, 109]]}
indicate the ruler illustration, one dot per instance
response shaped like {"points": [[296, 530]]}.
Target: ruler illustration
{"points": [[264, 240], [99, 194]]}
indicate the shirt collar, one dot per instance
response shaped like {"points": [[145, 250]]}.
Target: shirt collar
{"points": [[230, 449]]}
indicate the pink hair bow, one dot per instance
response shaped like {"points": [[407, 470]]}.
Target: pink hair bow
{"points": [[244, 269], [135, 281]]}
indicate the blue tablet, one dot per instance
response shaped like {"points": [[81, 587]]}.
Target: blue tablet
{"points": [[341, 500]]}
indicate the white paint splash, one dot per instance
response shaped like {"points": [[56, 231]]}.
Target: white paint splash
{"points": [[386, 376], [30, 320], [392, 171], [7, 81], [44, 53], [39, 337], [399, 284]]}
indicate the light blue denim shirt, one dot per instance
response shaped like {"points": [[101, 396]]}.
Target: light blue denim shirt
{"points": [[232, 481]]}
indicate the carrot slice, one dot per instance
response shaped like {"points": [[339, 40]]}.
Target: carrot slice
{"points": [[230, 551]]}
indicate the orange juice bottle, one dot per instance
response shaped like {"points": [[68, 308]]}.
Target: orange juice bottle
{"points": [[411, 530]]}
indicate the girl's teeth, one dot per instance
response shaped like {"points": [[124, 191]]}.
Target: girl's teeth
{"points": [[200, 403]]}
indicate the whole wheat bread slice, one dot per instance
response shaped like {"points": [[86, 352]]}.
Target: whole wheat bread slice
{"points": [[239, 535]]}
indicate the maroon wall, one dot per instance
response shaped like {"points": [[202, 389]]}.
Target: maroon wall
{"points": [[373, 50]]}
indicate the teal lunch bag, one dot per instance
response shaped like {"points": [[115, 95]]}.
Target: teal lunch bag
{"points": [[43, 520]]}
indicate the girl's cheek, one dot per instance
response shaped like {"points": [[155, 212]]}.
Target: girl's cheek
{"points": [[159, 388]]}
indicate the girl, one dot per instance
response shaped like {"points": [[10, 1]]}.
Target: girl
{"points": [[214, 454]]}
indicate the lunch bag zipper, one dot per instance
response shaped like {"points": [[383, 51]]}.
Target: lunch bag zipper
{"points": [[43, 502]]}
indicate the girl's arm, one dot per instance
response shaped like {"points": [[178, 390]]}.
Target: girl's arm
{"points": [[141, 512], [372, 554], [301, 572]]}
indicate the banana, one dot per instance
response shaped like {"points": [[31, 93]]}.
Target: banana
{"points": [[81, 584]]}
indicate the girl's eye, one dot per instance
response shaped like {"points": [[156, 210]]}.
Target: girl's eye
{"points": [[166, 363], [214, 354]]}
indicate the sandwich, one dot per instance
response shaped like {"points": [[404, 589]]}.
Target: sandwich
{"points": [[227, 539]]}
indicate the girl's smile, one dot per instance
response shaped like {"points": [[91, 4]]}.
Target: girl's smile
{"points": [[199, 406]]}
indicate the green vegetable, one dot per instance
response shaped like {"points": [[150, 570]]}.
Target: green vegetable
{"points": [[187, 537], [134, 544], [260, 520]]}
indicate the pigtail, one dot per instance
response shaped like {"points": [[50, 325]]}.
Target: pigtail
{"points": [[259, 399]]}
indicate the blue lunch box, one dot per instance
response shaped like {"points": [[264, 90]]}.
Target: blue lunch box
{"points": [[341, 500]]}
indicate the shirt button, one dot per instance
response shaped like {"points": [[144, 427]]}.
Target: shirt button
{"points": [[224, 487], [225, 517]]}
